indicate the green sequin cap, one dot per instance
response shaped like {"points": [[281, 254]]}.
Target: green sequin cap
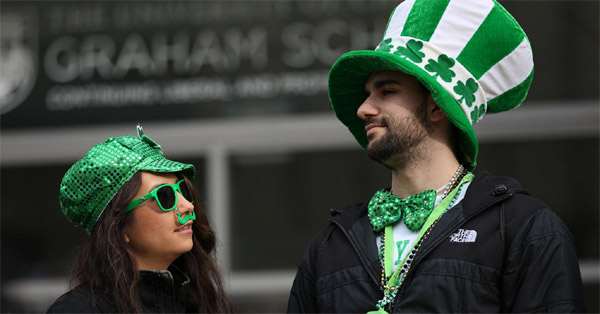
{"points": [[90, 184]]}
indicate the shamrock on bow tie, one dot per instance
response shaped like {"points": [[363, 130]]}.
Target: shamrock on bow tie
{"points": [[386, 208]]}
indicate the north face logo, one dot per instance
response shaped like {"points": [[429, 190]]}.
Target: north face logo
{"points": [[464, 236]]}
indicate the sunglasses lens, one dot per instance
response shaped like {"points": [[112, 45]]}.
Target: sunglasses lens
{"points": [[185, 191], [166, 197]]}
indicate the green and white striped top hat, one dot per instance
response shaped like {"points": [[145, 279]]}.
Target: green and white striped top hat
{"points": [[471, 54]]}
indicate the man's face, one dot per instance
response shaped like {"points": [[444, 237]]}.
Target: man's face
{"points": [[395, 115]]}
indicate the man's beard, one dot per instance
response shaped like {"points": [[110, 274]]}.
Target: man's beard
{"points": [[399, 145]]}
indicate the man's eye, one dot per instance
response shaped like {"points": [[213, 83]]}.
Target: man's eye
{"points": [[387, 92]]}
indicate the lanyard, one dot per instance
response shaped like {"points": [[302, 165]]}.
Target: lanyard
{"points": [[388, 250]]}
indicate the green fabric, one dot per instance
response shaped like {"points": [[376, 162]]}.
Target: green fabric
{"points": [[388, 259], [476, 57], [378, 311], [91, 183], [385, 208], [511, 98], [424, 29]]}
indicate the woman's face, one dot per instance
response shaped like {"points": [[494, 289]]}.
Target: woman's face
{"points": [[156, 238]]}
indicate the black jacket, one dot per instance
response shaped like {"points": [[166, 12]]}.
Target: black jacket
{"points": [[160, 292], [521, 259]]}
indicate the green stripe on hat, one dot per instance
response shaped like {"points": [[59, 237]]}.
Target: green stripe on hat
{"points": [[476, 56], [514, 96], [417, 28]]}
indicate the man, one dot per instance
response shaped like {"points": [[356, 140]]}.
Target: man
{"points": [[441, 239]]}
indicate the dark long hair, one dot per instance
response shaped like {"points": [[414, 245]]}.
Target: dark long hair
{"points": [[105, 264]]}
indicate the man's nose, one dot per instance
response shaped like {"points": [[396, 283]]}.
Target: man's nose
{"points": [[367, 109]]}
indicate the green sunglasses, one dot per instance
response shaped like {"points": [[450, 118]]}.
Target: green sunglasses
{"points": [[166, 197]]}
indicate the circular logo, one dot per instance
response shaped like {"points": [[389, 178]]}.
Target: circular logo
{"points": [[17, 60]]}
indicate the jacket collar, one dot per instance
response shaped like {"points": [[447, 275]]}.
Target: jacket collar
{"points": [[347, 216], [162, 290]]}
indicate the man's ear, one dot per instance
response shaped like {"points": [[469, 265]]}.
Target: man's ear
{"points": [[126, 237], [435, 112]]}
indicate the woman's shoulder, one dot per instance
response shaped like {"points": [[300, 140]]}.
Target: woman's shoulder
{"points": [[77, 300]]}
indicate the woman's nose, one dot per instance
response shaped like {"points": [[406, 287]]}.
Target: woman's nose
{"points": [[183, 204]]}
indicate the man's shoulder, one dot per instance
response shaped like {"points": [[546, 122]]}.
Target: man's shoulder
{"points": [[342, 219], [348, 214], [485, 182], [485, 187], [521, 211]]}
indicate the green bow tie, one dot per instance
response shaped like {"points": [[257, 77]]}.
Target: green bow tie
{"points": [[386, 208]]}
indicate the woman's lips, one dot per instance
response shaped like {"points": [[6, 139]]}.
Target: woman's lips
{"points": [[187, 228]]}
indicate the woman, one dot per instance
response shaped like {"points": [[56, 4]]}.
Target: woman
{"points": [[151, 248]]}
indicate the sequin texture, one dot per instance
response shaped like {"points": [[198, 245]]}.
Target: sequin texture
{"points": [[386, 208]]}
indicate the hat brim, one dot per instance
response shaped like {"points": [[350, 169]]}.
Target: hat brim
{"points": [[166, 165], [347, 79]]}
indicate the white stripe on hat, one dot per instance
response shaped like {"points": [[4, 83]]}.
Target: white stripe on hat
{"points": [[396, 23], [459, 22], [511, 71]]}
